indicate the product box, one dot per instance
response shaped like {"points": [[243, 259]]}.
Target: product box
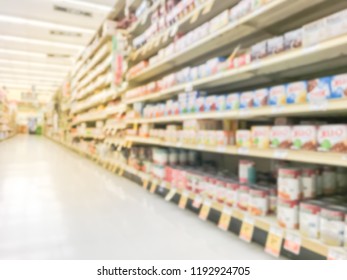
{"points": [[246, 99], [258, 202], [175, 108], [211, 103], [233, 101], [288, 214], [243, 138], [261, 136], [309, 218], [277, 95], [281, 137], [221, 103], [336, 25], [338, 85], [293, 39], [289, 184], [314, 33], [223, 138], [219, 21], [319, 90], [332, 224], [275, 45], [304, 137], [296, 92], [200, 104], [261, 97], [259, 51], [332, 138], [183, 103]]}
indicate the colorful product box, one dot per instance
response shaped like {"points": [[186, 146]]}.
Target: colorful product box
{"points": [[243, 138], [261, 137], [277, 95], [259, 51], [233, 101], [332, 138], [319, 90], [304, 137], [293, 39], [246, 99], [200, 104], [211, 103], [296, 92], [261, 97], [281, 137], [221, 103], [275, 45], [339, 86]]}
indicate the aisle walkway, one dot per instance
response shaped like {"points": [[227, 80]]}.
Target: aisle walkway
{"points": [[55, 204]]}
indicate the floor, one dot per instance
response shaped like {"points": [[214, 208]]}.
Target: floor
{"points": [[55, 204]]}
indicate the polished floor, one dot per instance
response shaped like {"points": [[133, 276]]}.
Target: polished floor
{"points": [[55, 204]]}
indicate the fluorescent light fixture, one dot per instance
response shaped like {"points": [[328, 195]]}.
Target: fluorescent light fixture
{"points": [[44, 24], [15, 52], [29, 63], [89, 5], [39, 42], [34, 72], [29, 81]]}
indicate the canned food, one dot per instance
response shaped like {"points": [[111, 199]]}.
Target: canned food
{"points": [[289, 184], [309, 182], [258, 201], [309, 218], [242, 197], [329, 180], [288, 214], [332, 225]]}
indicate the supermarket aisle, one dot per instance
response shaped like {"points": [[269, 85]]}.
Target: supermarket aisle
{"points": [[55, 204]]}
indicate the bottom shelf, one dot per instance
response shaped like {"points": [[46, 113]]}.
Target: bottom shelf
{"points": [[261, 230]]}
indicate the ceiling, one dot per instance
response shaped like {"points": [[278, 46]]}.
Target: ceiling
{"points": [[40, 38]]}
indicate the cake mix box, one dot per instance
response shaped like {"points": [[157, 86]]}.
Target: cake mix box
{"points": [[281, 137], [293, 39], [314, 32], [338, 86], [304, 137], [233, 101], [261, 136], [275, 45], [210, 103], [296, 92], [259, 50], [261, 97], [243, 138], [277, 95], [319, 90], [332, 138], [246, 99], [221, 103], [200, 104]]}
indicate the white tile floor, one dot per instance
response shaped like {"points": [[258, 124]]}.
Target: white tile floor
{"points": [[55, 204]]}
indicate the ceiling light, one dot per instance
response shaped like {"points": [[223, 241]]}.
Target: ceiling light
{"points": [[39, 42], [44, 24], [29, 63], [47, 73], [25, 76], [100, 7], [32, 54]]}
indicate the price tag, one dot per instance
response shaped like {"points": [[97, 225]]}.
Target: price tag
{"points": [[280, 154], [205, 210], [153, 187], [247, 229], [310, 49], [189, 87], [336, 254], [208, 7], [274, 241], [195, 16], [243, 151], [121, 172], [171, 194], [319, 106], [136, 126], [201, 147], [292, 243], [174, 30], [277, 110], [183, 200], [221, 149], [225, 218], [145, 184], [197, 201]]}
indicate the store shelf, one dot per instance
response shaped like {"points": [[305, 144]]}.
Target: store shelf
{"points": [[326, 158], [251, 25], [299, 62]]}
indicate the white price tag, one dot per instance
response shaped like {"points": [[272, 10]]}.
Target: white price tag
{"points": [[227, 210], [243, 151], [221, 148], [320, 105], [277, 110], [280, 154], [178, 144], [292, 243], [337, 254]]}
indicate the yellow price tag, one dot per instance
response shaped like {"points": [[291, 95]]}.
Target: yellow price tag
{"points": [[225, 219], [208, 7], [195, 16], [170, 195], [205, 210], [247, 229], [145, 184], [121, 172], [183, 200], [274, 241], [153, 187]]}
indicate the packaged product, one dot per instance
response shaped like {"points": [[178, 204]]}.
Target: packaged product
{"points": [[160, 156], [258, 201], [223, 138], [275, 45], [339, 86], [233, 101], [288, 214], [183, 103], [309, 218], [332, 224], [281, 137], [175, 108], [314, 32], [259, 50], [332, 138], [289, 184], [240, 10], [243, 138], [221, 103], [243, 197], [336, 25], [210, 103], [231, 193], [309, 182], [200, 104], [219, 21], [277, 95], [246, 171], [304, 137], [261, 136], [261, 97], [293, 39], [319, 90], [246, 99], [296, 92], [273, 200], [212, 65], [329, 180], [240, 60]]}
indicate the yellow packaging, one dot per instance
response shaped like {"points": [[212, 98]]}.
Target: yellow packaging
{"points": [[261, 137]]}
